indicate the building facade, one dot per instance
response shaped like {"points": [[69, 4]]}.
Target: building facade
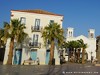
{"points": [[90, 41], [98, 48], [35, 21]]}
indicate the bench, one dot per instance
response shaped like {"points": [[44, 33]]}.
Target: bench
{"points": [[97, 64], [29, 62]]}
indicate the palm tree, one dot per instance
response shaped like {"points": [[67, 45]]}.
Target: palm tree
{"points": [[83, 46], [72, 45], [51, 33], [1, 35], [15, 31], [5, 34]]}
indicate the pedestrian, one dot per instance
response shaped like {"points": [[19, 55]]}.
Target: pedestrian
{"points": [[61, 60], [91, 59], [38, 61]]}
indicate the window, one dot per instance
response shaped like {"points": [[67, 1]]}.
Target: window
{"points": [[23, 20], [37, 22], [69, 33], [35, 38], [51, 21], [91, 35]]}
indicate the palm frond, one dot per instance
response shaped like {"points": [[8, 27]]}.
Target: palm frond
{"points": [[53, 31]]}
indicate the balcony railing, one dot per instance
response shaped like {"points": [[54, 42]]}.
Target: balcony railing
{"points": [[36, 28], [35, 44]]}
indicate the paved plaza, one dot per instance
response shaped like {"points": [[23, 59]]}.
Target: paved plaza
{"points": [[66, 69]]}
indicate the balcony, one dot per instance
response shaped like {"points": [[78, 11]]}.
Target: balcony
{"points": [[36, 28], [35, 45]]}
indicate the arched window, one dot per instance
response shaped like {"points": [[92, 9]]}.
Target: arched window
{"points": [[23, 20], [69, 33], [91, 35]]}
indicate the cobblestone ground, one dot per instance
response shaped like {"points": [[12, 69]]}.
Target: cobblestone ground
{"points": [[67, 69]]}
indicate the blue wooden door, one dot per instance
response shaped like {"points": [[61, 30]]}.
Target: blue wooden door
{"points": [[33, 55], [17, 57], [47, 57]]}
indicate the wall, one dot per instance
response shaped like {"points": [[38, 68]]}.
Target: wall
{"points": [[30, 21], [91, 45]]}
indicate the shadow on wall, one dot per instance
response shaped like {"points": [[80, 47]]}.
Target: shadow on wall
{"points": [[26, 44], [26, 49]]}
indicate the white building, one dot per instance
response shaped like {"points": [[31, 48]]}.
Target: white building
{"points": [[90, 41], [35, 21]]}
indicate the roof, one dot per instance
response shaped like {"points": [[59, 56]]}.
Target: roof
{"points": [[38, 11], [98, 37], [82, 37]]}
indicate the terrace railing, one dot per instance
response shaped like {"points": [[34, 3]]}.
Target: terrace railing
{"points": [[35, 44], [36, 28]]}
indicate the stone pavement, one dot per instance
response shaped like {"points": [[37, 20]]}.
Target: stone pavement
{"points": [[67, 69]]}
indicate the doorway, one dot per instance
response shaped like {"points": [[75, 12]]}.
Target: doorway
{"points": [[17, 57], [47, 56], [33, 54], [2, 52]]}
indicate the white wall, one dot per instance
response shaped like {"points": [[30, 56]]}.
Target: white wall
{"points": [[91, 45], [30, 21]]}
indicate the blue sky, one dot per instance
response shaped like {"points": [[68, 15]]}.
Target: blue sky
{"points": [[79, 14]]}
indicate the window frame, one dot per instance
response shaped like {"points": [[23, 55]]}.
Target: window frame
{"points": [[23, 20], [37, 22], [51, 21]]}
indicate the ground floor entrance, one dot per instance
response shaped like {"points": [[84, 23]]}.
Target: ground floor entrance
{"points": [[47, 57], [33, 54], [17, 57], [2, 52]]}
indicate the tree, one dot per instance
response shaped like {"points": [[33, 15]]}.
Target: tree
{"points": [[83, 46], [98, 48], [15, 31], [5, 33], [72, 45], [76, 45], [1, 35], [52, 33]]}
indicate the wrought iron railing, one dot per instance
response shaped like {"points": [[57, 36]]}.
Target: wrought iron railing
{"points": [[36, 28], [35, 44]]}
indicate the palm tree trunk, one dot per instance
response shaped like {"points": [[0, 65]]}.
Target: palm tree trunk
{"points": [[51, 52], [9, 61], [0, 43], [83, 55], [78, 55]]}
